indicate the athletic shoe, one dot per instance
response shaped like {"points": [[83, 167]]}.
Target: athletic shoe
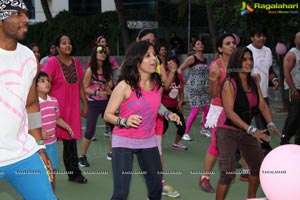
{"points": [[107, 131], [106, 134], [78, 179], [93, 138], [186, 137], [109, 156], [179, 146], [170, 191], [204, 185], [205, 132], [83, 161]]}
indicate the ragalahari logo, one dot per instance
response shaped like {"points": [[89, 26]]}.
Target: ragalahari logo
{"points": [[246, 8]]}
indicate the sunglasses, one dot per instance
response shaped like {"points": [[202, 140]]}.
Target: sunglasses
{"points": [[101, 49]]}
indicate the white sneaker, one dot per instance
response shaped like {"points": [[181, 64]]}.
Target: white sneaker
{"points": [[186, 137], [205, 132]]}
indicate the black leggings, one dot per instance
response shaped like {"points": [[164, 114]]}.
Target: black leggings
{"points": [[180, 128], [150, 166]]}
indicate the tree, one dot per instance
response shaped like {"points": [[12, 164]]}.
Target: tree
{"points": [[122, 23], [47, 12], [211, 23]]}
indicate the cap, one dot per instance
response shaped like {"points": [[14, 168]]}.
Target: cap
{"points": [[7, 7]]}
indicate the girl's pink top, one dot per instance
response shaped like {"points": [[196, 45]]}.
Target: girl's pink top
{"points": [[67, 95]]}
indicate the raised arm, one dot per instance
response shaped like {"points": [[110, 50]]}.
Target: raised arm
{"points": [[187, 62], [214, 74]]}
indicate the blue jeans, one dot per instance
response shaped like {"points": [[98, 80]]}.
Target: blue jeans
{"points": [[150, 165], [30, 178], [292, 123]]}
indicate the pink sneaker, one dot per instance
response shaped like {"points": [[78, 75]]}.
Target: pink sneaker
{"points": [[204, 185]]}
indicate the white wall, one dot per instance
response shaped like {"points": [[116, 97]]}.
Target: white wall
{"points": [[108, 5], [55, 7]]}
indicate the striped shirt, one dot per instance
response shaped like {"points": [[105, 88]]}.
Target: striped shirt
{"points": [[50, 112]]}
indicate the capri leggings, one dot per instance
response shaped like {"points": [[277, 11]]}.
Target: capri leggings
{"points": [[192, 116], [95, 108], [228, 141], [215, 117]]}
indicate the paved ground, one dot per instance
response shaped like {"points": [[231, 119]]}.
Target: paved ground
{"points": [[183, 168]]}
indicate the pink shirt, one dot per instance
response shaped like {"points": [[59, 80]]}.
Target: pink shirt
{"points": [[217, 100], [96, 84], [147, 106], [67, 95], [50, 112]]}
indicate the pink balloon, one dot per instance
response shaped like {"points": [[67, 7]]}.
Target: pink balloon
{"points": [[237, 38], [280, 48], [280, 173]]}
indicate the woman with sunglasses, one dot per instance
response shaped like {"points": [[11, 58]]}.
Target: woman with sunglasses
{"points": [[97, 83]]}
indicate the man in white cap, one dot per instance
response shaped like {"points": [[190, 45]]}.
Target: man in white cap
{"points": [[23, 161]]}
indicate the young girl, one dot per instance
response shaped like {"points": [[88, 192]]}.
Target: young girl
{"points": [[50, 117], [197, 84], [97, 84], [138, 96]]}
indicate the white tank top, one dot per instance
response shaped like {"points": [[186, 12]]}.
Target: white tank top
{"points": [[17, 70], [295, 72]]}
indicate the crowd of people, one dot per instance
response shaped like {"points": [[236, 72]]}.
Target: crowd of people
{"points": [[45, 104]]}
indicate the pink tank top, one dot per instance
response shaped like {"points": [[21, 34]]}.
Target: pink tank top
{"points": [[217, 100], [146, 106], [97, 84]]}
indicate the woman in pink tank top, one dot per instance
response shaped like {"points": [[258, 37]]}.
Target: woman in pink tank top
{"points": [[138, 99], [217, 73]]}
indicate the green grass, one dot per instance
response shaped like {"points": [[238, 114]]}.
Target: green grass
{"points": [[180, 166]]}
